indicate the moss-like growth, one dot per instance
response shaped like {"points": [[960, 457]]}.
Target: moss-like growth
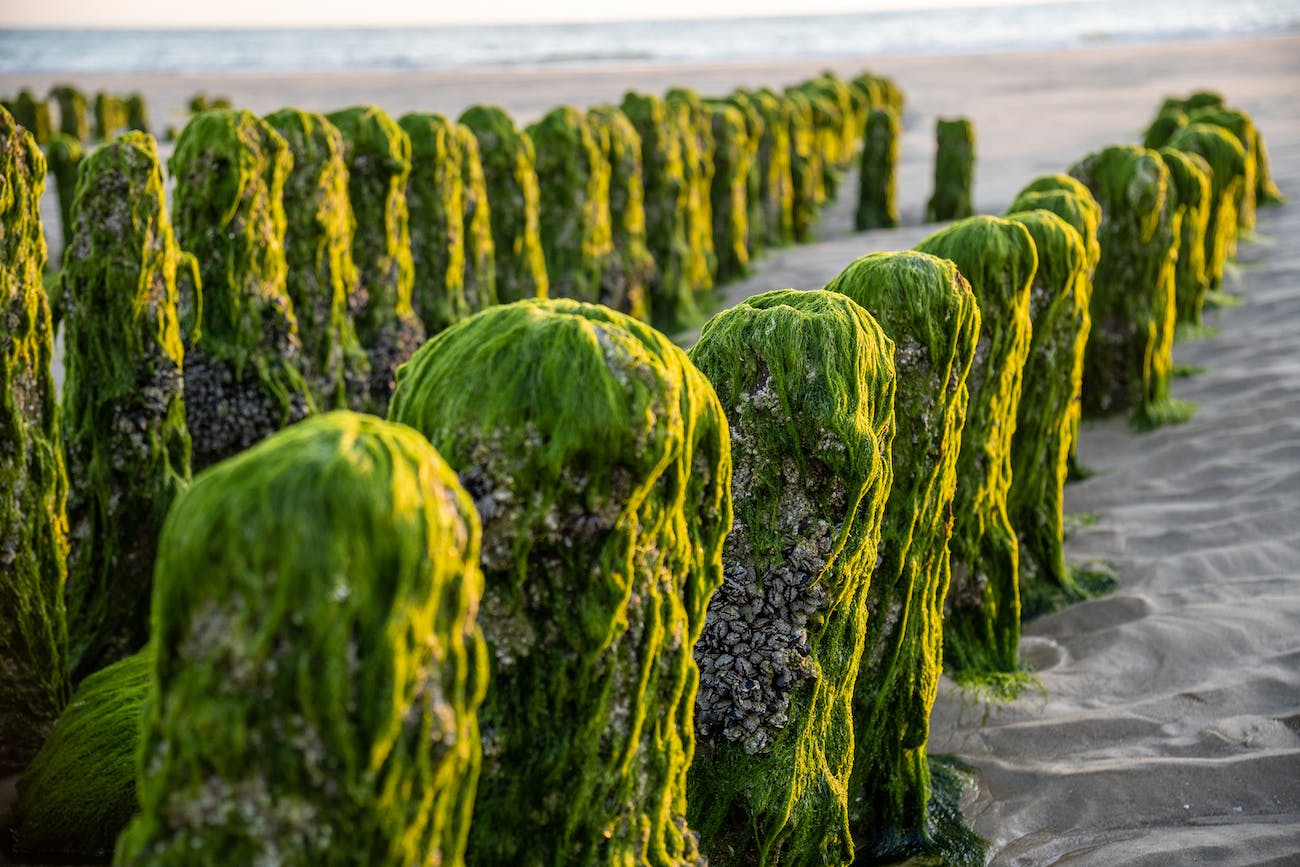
{"points": [[982, 622], [64, 154], [318, 663], [1190, 184], [1227, 161], [808, 183], [630, 271], [777, 187], [435, 197], [509, 168], [1169, 121], [927, 308], [600, 462], [1209, 106], [110, 116], [1240, 124], [695, 127], [33, 114], [137, 112], [33, 523], [201, 102], [954, 170], [1048, 415], [573, 179], [845, 123], [79, 792], [1127, 364], [321, 277], [807, 381], [125, 438], [878, 91], [72, 112], [754, 128], [879, 172], [730, 191], [378, 157], [828, 137], [480, 251], [243, 377]]}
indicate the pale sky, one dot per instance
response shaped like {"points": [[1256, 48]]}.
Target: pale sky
{"points": [[380, 13]]}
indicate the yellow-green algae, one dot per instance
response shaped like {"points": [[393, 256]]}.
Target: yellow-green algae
{"points": [[777, 187], [954, 170], [110, 115], [807, 381], [1227, 161], [600, 461], [33, 523], [509, 169], [79, 792], [1169, 121], [1240, 124], [480, 251], [845, 123], [378, 157], [137, 112], [754, 127], [33, 114], [318, 661], [696, 131], [982, 612], [828, 136], [878, 91], [878, 171], [630, 271], [125, 439], [435, 198], [72, 111], [573, 177], [1189, 177], [64, 154], [808, 184], [1208, 106], [730, 191], [321, 275], [1048, 415], [243, 376], [927, 308], [1127, 363]]}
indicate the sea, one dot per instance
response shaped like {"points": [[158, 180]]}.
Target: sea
{"points": [[920, 29]]}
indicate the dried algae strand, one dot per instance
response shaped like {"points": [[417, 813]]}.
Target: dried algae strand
{"points": [[696, 131], [1189, 183], [954, 170], [79, 792], [480, 251], [878, 172], [321, 275], [729, 194], [435, 198], [573, 183], [509, 168], [125, 437], [982, 612], [1127, 364], [33, 521], [630, 271], [777, 188], [1227, 161], [243, 376], [1048, 416], [72, 111], [600, 462], [927, 308], [807, 381], [378, 157], [318, 660]]}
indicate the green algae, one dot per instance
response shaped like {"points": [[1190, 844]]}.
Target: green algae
{"points": [[754, 129], [808, 183], [878, 172], [1189, 177], [1227, 161], [807, 381], [982, 612], [79, 792], [321, 275], [1071, 201], [137, 112], [600, 462], [573, 179], [629, 273], [64, 154], [1169, 121], [695, 127], [776, 190], [878, 91], [1209, 106], [243, 375], [927, 308], [509, 168], [435, 197], [730, 191], [480, 282], [126, 442], [318, 661], [845, 123], [33, 522], [1127, 363], [954, 170], [1240, 124], [110, 115], [33, 114], [72, 111], [827, 124], [1048, 415]]}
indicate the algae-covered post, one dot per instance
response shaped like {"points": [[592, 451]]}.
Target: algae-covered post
{"points": [[629, 272], [378, 157], [125, 438], [1227, 161], [64, 154], [1048, 417], [807, 382], [509, 168], [1190, 184], [110, 115], [480, 251], [435, 198], [318, 661], [573, 183], [1242, 126], [34, 114], [879, 171], [754, 129], [33, 523], [243, 377], [926, 307], [777, 187], [954, 170], [696, 131], [321, 276], [136, 112], [982, 620], [729, 193], [72, 111], [1127, 364], [808, 185], [599, 459]]}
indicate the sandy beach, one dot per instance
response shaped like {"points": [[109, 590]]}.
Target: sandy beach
{"points": [[1167, 730]]}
